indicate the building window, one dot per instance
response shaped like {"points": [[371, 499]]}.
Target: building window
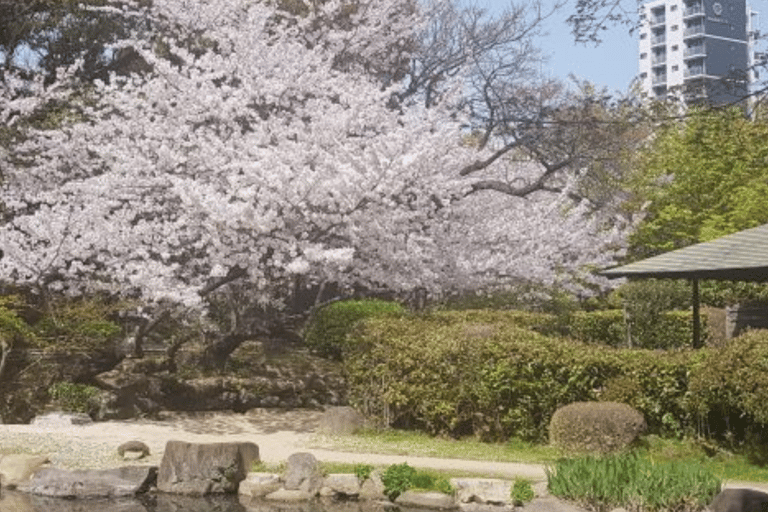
{"points": [[674, 48], [643, 55], [674, 27], [643, 35], [643, 75], [674, 68]]}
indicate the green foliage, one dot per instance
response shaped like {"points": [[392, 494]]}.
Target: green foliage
{"points": [[701, 179], [633, 482], [521, 492], [601, 427], [11, 325], [363, 471], [662, 330], [729, 387], [77, 324], [397, 479], [451, 374], [602, 327], [328, 330], [73, 397]]}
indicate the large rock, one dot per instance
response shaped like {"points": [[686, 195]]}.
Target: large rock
{"points": [[340, 421], [373, 487], [343, 484], [426, 500], [740, 500], [303, 473], [17, 468], [108, 483], [258, 485], [198, 469], [482, 490]]}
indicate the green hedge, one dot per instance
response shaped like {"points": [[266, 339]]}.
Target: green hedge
{"points": [[669, 330], [479, 373], [326, 333], [450, 374]]}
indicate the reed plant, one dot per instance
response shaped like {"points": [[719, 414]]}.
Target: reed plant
{"points": [[636, 483]]}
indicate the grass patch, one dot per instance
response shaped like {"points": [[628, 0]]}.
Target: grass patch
{"points": [[416, 444], [723, 464], [634, 482]]}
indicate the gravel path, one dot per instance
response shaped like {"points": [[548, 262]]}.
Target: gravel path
{"points": [[277, 433]]}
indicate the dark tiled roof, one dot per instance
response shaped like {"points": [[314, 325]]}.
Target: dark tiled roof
{"points": [[742, 256]]}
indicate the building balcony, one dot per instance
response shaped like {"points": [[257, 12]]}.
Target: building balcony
{"points": [[691, 52], [657, 20], [694, 72], [659, 79], [693, 30], [693, 10], [657, 40]]}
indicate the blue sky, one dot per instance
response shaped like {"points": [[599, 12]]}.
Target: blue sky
{"points": [[611, 64]]}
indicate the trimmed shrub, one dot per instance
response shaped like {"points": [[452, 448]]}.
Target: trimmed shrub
{"points": [[729, 388], [495, 380], [601, 427], [664, 330], [633, 483], [603, 327], [326, 334]]}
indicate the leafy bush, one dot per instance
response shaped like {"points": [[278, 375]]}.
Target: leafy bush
{"points": [[632, 482], [78, 324], [603, 327], [327, 331], [397, 479], [456, 375], [363, 472], [73, 397], [662, 330], [11, 325], [521, 492], [729, 387], [600, 427]]}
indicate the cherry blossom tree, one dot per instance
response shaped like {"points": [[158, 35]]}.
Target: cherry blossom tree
{"points": [[255, 147]]}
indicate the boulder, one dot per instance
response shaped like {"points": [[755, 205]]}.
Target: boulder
{"points": [[138, 448], [482, 490], [303, 474], [258, 485], [426, 500], [340, 421], [289, 495], [343, 484], [61, 419], [189, 468], [108, 483], [373, 488], [740, 500], [16, 468]]}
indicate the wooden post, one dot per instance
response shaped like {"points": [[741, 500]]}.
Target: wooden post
{"points": [[696, 314]]}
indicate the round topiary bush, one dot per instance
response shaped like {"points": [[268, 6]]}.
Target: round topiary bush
{"points": [[601, 427]]}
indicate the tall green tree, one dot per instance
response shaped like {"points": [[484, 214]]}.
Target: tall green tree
{"points": [[700, 179]]}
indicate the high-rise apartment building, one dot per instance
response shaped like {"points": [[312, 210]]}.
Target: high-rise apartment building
{"points": [[697, 50]]}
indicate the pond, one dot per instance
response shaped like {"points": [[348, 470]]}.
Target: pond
{"points": [[11, 501]]}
